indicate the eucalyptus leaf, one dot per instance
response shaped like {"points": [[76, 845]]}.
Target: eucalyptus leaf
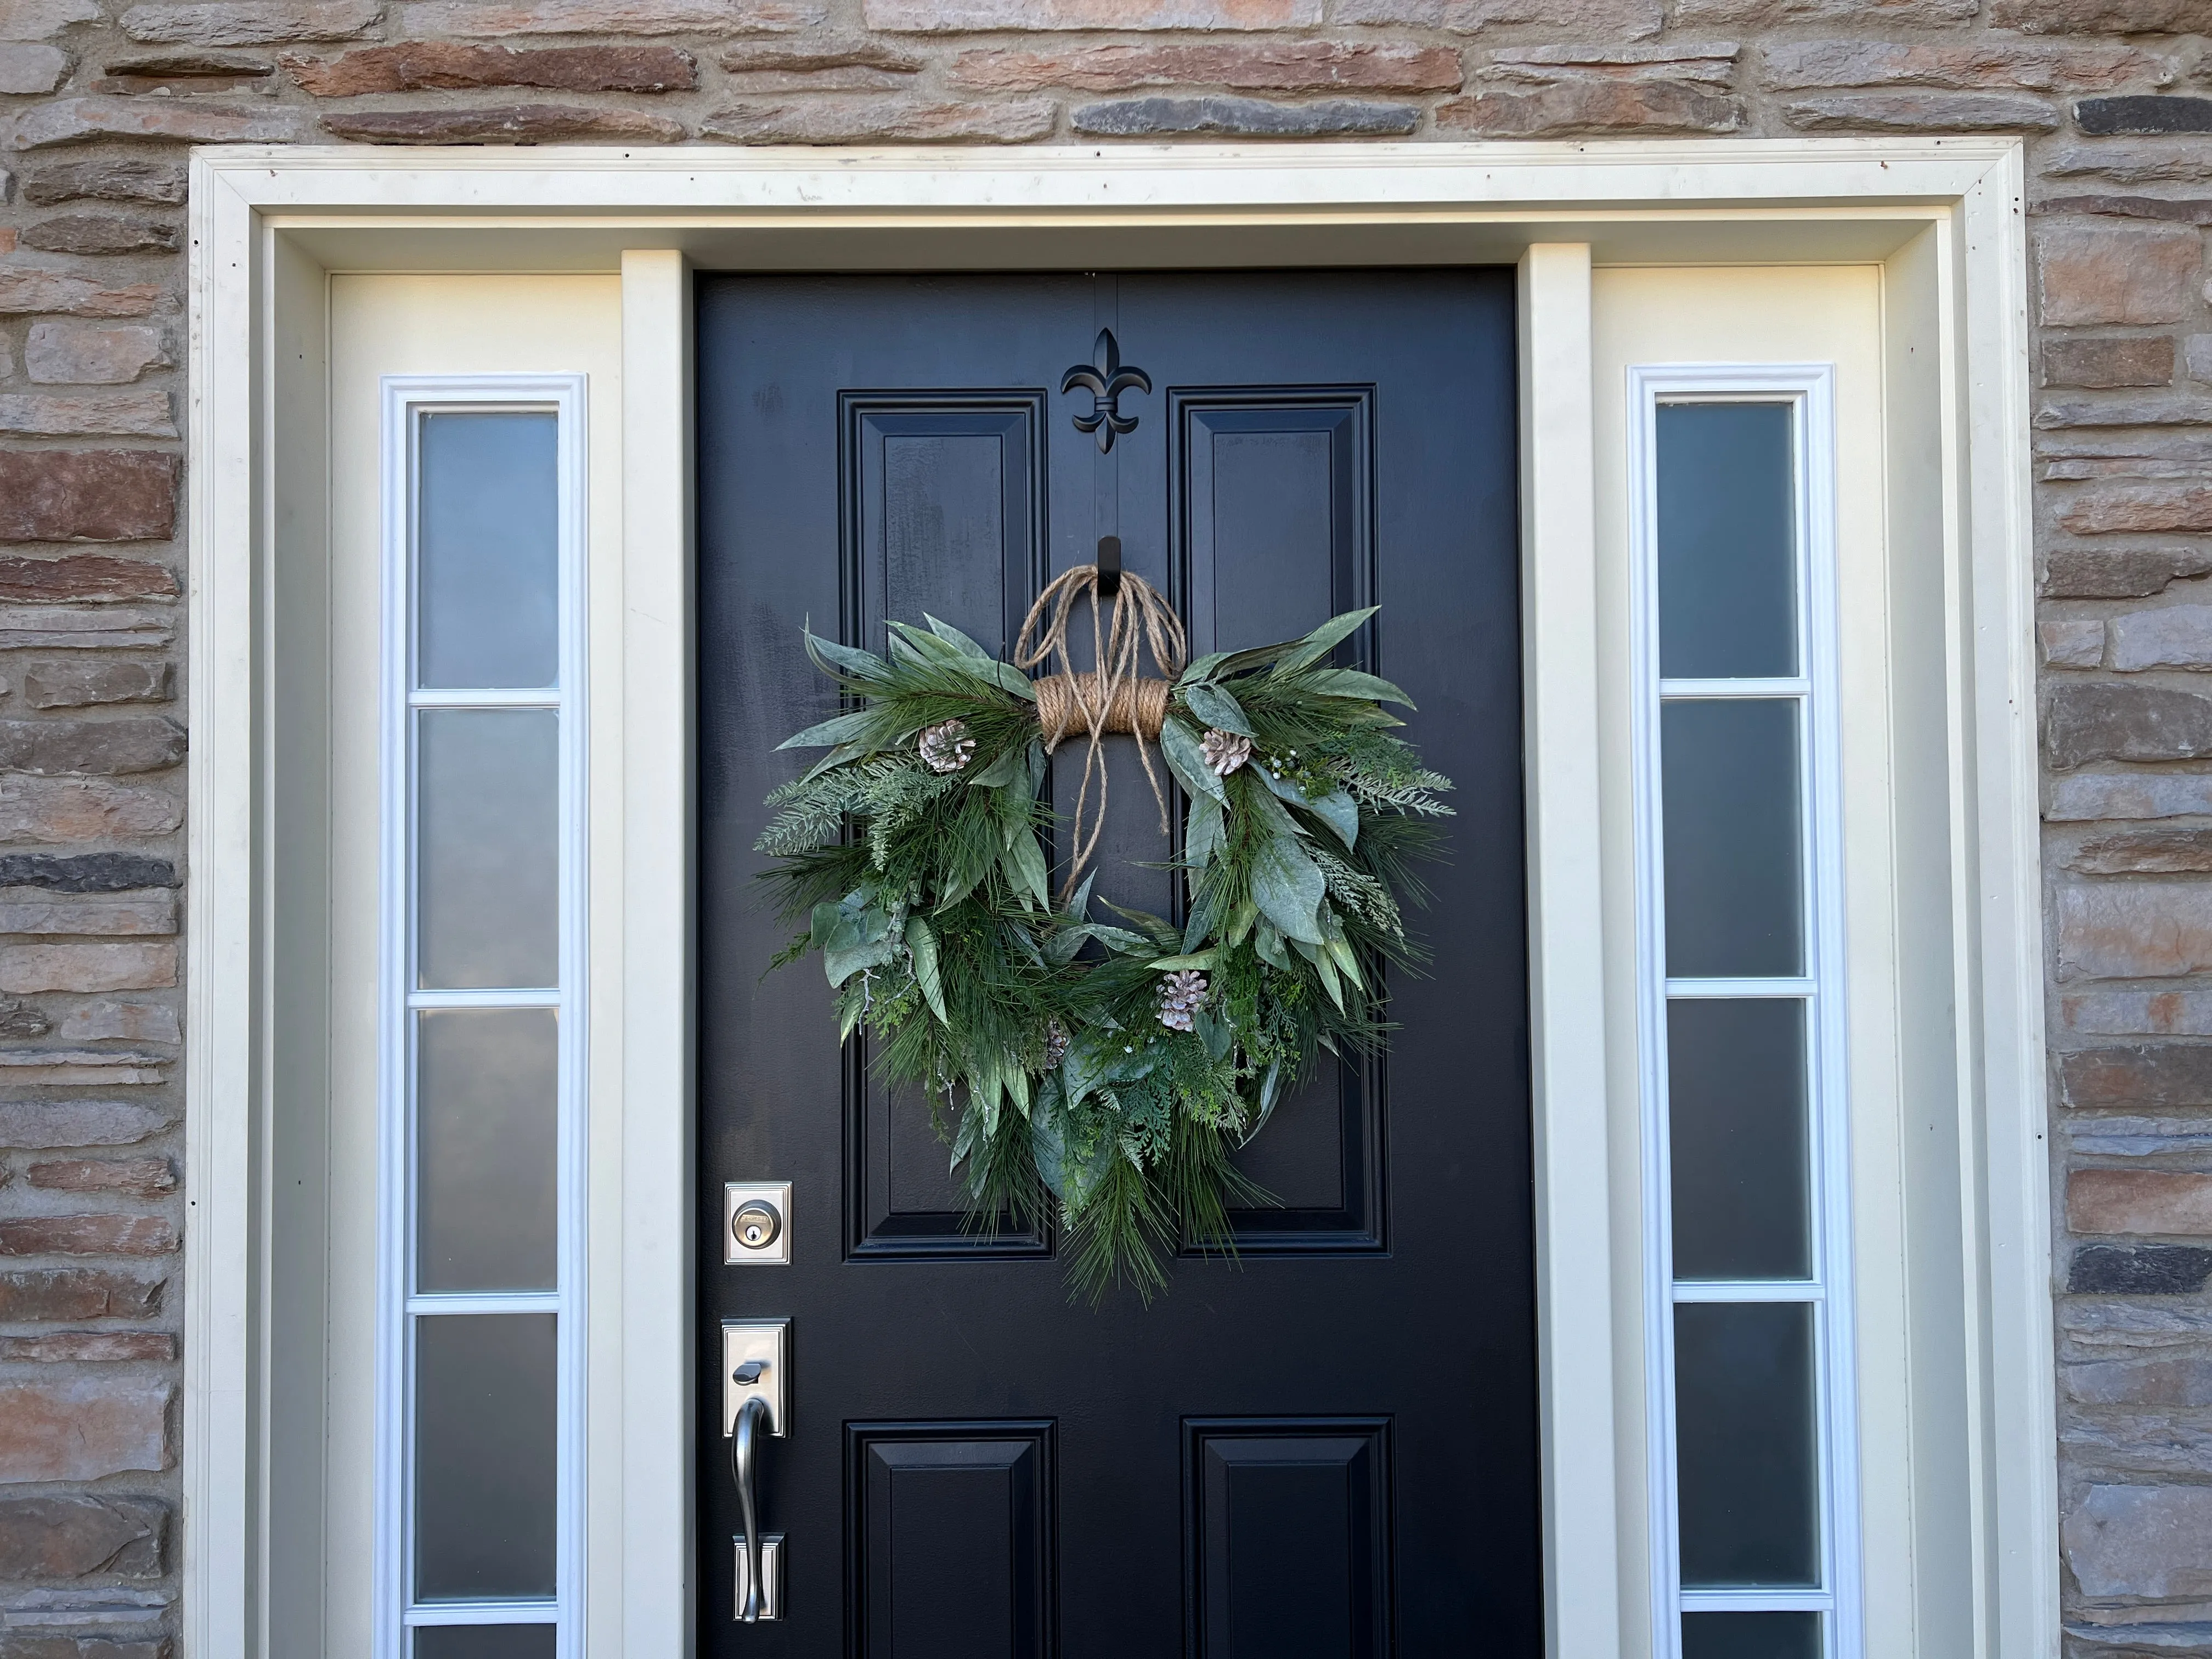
{"points": [[1288, 887], [1203, 668], [1009, 768], [1007, 678], [1270, 1092], [922, 945], [1200, 961], [1337, 809], [1078, 903], [1215, 1036], [1346, 958], [1217, 709], [843, 729], [1120, 939], [970, 1132], [1186, 758], [1204, 913], [1322, 641], [1026, 870], [1327, 969], [1205, 831], [1085, 1065], [1350, 683], [845, 960], [847, 660], [1269, 944], [953, 636], [836, 757]]}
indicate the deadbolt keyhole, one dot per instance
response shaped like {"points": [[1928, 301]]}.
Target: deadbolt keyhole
{"points": [[756, 1224]]}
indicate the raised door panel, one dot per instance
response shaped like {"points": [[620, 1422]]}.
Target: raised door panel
{"points": [[949, 1540], [1274, 515], [1290, 1538], [943, 500]]}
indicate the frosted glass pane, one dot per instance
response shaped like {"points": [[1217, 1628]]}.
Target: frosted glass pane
{"points": [[488, 869], [484, 1452], [1735, 1104], [484, 1642], [485, 1154], [1728, 792], [1745, 1445], [1728, 576], [489, 554], [1750, 1636]]}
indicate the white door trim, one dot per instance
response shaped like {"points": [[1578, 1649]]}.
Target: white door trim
{"points": [[1941, 215]]}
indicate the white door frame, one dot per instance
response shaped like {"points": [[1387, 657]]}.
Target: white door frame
{"points": [[1943, 219]]}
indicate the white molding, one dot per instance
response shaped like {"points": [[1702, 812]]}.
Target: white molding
{"points": [[658, 1610], [1567, 951], [571, 209]]}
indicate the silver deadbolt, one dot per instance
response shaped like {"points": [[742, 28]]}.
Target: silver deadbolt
{"points": [[756, 1224]]}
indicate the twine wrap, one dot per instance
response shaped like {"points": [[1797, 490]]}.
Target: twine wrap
{"points": [[1112, 696]]}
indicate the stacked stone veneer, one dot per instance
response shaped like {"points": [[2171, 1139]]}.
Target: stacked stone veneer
{"points": [[98, 99]]}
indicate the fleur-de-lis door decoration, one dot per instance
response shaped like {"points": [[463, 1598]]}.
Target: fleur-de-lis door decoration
{"points": [[1106, 379]]}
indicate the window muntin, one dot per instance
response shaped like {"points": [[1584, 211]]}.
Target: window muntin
{"points": [[479, 1520], [1747, 1240]]}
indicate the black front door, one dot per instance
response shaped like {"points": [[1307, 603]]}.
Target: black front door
{"points": [[1328, 1448]]}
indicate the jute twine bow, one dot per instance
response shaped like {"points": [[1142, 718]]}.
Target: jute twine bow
{"points": [[1112, 696]]}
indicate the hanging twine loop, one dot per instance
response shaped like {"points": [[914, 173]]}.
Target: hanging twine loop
{"points": [[1112, 696]]}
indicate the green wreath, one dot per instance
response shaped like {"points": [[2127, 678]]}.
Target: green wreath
{"points": [[1111, 1083]]}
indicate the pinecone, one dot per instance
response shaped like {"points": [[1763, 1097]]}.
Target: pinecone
{"points": [[1225, 750], [1181, 995], [946, 747], [1055, 1043]]}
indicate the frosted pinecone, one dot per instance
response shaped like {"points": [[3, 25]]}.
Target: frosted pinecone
{"points": [[1225, 750], [946, 747], [1055, 1043], [1183, 993]]}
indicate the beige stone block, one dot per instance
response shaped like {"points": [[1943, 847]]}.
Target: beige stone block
{"points": [[2072, 642], [2141, 1541], [41, 20], [130, 1022], [252, 22], [86, 1235], [27, 70], [2168, 1202], [2106, 275], [497, 19], [133, 966], [91, 354], [82, 1428], [48, 810], [88, 414], [2134, 930]]}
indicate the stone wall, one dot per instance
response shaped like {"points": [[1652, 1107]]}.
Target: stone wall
{"points": [[98, 99]]}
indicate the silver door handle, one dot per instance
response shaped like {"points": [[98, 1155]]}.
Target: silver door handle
{"points": [[742, 1448]]}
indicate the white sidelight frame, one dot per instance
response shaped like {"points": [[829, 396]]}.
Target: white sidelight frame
{"points": [[1939, 220], [407, 400], [1809, 391]]}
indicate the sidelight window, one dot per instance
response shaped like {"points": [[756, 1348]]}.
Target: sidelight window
{"points": [[481, 1235], [1748, 1325]]}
